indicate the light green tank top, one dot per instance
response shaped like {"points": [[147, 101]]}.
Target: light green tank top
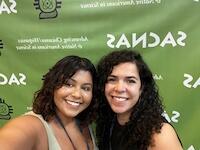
{"points": [[52, 141]]}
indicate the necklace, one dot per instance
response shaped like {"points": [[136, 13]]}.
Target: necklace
{"points": [[62, 125]]}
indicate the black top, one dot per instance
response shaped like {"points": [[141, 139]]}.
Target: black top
{"points": [[119, 137]]}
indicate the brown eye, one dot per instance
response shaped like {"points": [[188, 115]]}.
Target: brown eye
{"points": [[131, 81], [87, 88], [69, 84], [110, 79]]}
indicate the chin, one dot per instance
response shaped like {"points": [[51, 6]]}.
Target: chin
{"points": [[72, 115], [118, 111]]}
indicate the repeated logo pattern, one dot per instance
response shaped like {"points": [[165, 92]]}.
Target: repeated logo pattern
{"points": [[48, 8], [5, 110], [1, 44]]}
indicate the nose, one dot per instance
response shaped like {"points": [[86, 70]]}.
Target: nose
{"points": [[120, 87], [76, 93]]}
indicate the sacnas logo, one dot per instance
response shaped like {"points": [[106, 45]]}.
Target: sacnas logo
{"points": [[48, 8], [5, 110], [13, 79], [9, 7], [146, 39], [173, 117], [1, 44], [190, 82]]}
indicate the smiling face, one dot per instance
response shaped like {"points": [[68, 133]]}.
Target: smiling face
{"points": [[123, 88], [75, 96]]}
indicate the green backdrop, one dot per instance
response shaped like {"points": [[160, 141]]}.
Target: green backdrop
{"points": [[35, 34]]}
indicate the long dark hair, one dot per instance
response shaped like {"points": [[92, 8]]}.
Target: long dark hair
{"points": [[63, 70], [145, 118]]}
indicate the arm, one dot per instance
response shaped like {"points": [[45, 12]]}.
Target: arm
{"points": [[20, 133], [166, 140]]}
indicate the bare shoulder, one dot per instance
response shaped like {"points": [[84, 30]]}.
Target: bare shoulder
{"points": [[21, 131], [166, 139], [26, 124]]}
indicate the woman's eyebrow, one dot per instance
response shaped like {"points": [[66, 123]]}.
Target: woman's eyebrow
{"points": [[88, 84], [112, 75], [128, 77], [132, 77]]}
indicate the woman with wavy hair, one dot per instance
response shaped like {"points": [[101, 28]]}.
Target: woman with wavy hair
{"points": [[62, 111], [129, 114]]}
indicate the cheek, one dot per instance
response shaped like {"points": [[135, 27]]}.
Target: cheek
{"points": [[137, 93], [88, 97], [107, 88], [55, 95]]}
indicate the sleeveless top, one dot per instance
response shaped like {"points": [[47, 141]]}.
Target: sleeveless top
{"points": [[119, 134], [52, 141], [118, 137]]}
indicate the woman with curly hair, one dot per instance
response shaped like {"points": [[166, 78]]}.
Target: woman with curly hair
{"points": [[129, 114], [62, 111]]}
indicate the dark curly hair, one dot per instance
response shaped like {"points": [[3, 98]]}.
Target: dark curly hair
{"points": [[57, 76], [145, 118]]}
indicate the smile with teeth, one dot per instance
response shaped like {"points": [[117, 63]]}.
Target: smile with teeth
{"points": [[73, 103], [120, 99]]}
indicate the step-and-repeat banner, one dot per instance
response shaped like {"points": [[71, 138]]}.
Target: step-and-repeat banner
{"points": [[34, 34]]}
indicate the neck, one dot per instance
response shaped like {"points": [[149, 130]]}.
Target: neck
{"points": [[65, 120], [63, 123], [123, 118], [69, 125]]}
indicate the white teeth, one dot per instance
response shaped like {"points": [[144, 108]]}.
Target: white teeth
{"points": [[73, 103], [121, 99]]}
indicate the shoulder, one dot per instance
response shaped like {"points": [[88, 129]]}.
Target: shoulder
{"points": [[26, 123], [23, 130], [166, 139]]}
